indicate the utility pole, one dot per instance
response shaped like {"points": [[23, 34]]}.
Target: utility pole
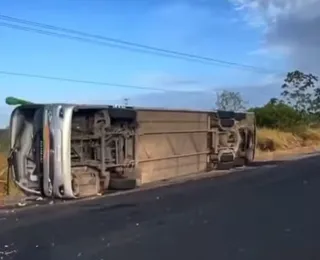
{"points": [[126, 101]]}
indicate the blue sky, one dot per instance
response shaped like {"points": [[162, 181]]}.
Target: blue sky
{"points": [[209, 29]]}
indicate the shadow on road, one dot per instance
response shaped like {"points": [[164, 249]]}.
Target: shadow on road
{"points": [[109, 208], [240, 163], [264, 163]]}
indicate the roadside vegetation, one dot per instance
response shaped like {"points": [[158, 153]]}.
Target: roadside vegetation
{"points": [[286, 123], [4, 148]]}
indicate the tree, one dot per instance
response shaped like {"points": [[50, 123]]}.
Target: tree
{"points": [[229, 100], [300, 91]]}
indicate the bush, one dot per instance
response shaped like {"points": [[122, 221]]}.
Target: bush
{"points": [[277, 115], [281, 127]]}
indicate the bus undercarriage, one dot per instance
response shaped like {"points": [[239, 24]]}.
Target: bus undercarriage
{"points": [[72, 151]]}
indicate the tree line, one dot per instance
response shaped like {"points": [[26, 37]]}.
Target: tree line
{"points": [[298, 105]]}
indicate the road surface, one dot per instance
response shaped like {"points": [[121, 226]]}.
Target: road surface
{"points": [[271, 212]]}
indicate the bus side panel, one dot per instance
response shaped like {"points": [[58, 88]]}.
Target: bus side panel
{"points": [[171, 144]]}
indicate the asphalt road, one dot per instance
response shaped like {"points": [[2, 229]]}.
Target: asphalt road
{"points": [[271, 212]]}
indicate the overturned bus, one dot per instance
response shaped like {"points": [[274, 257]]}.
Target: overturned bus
{"points": [[72, 151]]}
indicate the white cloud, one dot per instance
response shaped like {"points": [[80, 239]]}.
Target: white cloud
{"points": [[291, 27]]}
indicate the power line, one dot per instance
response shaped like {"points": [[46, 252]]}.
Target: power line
{"points": [[91, 82], [122, 44], [81, 39], [112, 45], [102, 83]]}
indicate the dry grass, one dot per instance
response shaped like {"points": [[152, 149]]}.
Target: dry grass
{"points": [[3, 179], [3, 174], [270, 140]]}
